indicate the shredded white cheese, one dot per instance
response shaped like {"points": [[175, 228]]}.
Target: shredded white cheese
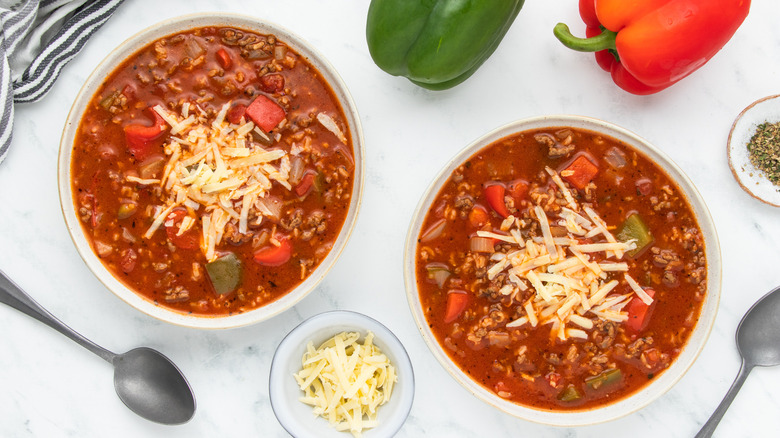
{"points": [[638, 290], [330, 124], [346, 381], [570, 284], [214, 164]]}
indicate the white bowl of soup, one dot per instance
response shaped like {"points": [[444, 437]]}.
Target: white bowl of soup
{"points": [[211, 170], [563, 270]]}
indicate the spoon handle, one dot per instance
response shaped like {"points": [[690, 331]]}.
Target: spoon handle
{"points": [[709, 427], [14, 296]]}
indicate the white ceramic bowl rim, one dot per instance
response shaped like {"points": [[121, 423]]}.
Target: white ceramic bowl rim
{"points": [[296, 417], [122, 52], [662, 383]]}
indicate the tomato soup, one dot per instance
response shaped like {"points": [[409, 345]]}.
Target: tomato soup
{"points": [[212, 171], [561, 269]]}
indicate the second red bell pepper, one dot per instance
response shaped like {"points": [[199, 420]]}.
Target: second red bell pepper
{"points": [[648, 45]]}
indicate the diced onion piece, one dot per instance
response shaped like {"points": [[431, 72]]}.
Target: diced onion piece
{"points": [[615, 158], [481, 244], [280, 52], [151, 167], [194, 49], [270, 207], [434, 231], [439, 273], [343, 150]]}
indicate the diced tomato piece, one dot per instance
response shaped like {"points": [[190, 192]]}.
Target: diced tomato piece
{"points": [[580, 172], [127, 260], [265, 113], [272, 255], [457, 300], [306, 183], [478, 216], [139, 137], [272, 83], [639, 313], [235, 113], [494, 193], [223, 57], [517, 189], [190, 239]]}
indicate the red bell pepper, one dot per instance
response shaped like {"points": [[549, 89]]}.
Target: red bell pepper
{"points": [[639, 313], [271, 255], [139, 138], [494, 193], [457, 301], [306, 183], [235, 113], [648, 45], [478, 216], [265, 113], [580, 172], [190, 239], [223, 57]]}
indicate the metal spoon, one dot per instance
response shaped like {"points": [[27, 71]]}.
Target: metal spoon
{"points": [[758, 341], [146, 381]]}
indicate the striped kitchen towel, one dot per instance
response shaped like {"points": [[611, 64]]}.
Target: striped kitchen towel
{"points": [[38, 38]]}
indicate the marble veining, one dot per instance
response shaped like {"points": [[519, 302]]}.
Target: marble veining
{"points": [[53, 388]]}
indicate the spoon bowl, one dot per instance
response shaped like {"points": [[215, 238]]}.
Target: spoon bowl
{"points": [[758, 342], [758, 334], [150, 385], [146, 381]]}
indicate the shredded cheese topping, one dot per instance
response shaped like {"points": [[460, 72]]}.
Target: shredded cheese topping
{"points": [[215, 165], [346, 381], [568, 281]]}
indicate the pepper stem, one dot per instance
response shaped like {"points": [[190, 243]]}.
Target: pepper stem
{"points": [[604, 41]]}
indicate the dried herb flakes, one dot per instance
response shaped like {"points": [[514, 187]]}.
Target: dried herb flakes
{"points": [[764, 150]]}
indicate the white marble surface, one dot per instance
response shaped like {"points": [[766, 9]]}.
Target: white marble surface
{"points": [[50, 387]]}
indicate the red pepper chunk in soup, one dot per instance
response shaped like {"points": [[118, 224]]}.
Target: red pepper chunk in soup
{"points": [[561, 269], [204, 176]]}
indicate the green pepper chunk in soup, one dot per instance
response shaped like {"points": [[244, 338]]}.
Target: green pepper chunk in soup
{"points": [[213, 170], [561, 269]]}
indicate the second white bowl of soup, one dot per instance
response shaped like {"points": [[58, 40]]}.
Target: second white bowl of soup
{"points": [[563, 270]]}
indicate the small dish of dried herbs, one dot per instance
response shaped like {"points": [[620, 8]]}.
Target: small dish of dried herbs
{"points": [[754, 150]]}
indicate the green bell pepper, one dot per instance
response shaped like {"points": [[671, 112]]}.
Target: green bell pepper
{"points": [[436, 44], [225, 273], [569, 394], [607, 377], [635, 228]]}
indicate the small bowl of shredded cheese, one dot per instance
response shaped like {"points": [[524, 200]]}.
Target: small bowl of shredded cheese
{"points": [[340, 373]]}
